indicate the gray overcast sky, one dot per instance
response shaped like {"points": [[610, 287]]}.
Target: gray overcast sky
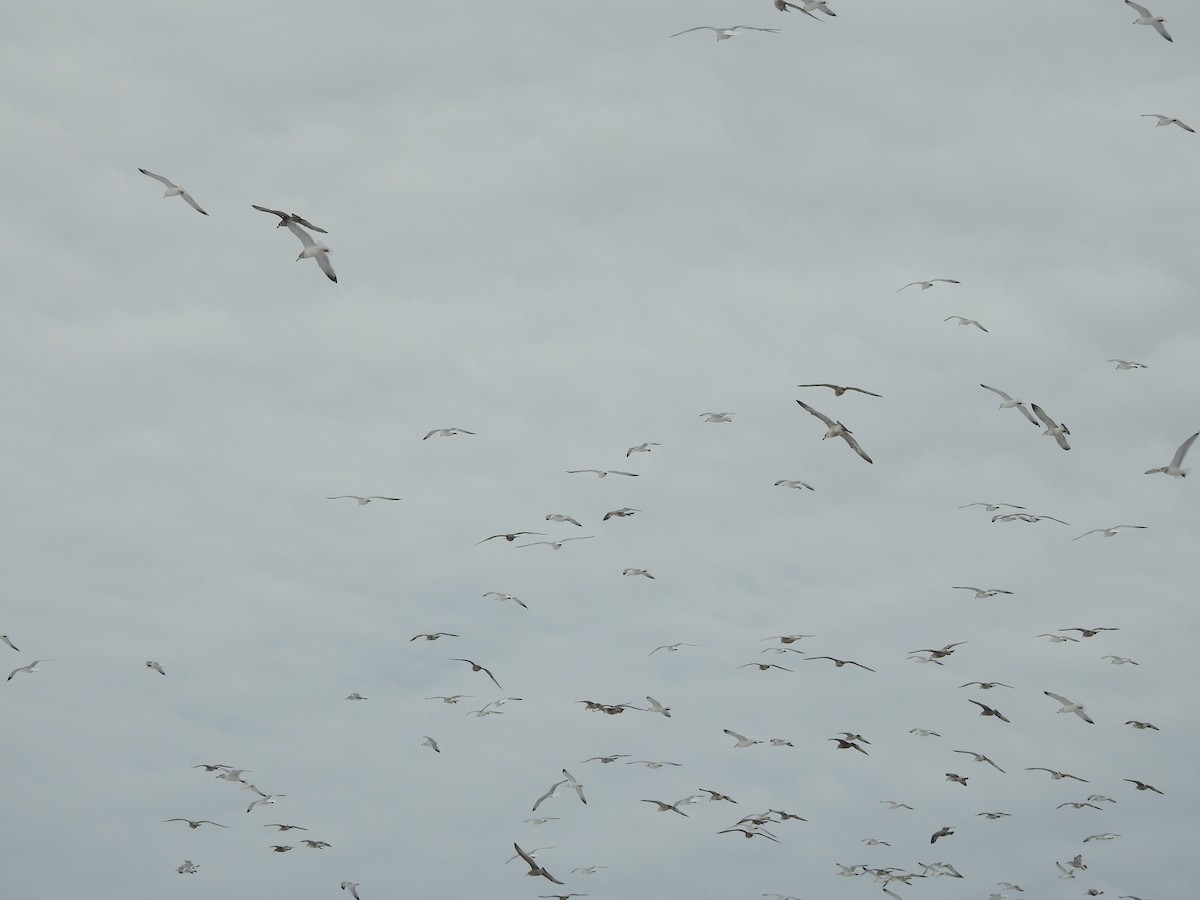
{"points": [[560, 229]]}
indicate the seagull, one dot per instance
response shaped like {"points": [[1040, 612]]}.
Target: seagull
{"points": [[1173, 468], [986, 685], [557, 544], [1065, 872], [875, 842], [556, 517], [923, 732], [187, 868], [642, 448], [1106, 836], [445, 432], [1079, 805], [981, 593], [944, 831], [157, 667], [724, 33], [312, 250], [601, 473], [4, 637], [717, 795], [29, 669], [316, 845], [750, 832], [796, 485], [653, 763], [1141, 785], [787, 638], [174, 190], [502, 597], [1107, 532], [991, 507], [993, 815], [196, 823], [1053, 429], [718, 416], [1162, 120], [668, 807], [508, 536], [980, 758], [362, 501], [965, 321], [284, 218], [432, 637], [263, 799], [605, 760], [574, 785], [1070, 706], [839, 663], [985, 710], [957, 779], [552, 792], [476, 667], [807, 8], [451, 699], [781, 742], [926, 285], [1025, 517], [670, 648], [621, 513], [284, 827], [1126, 363], [352, 887], [210, 767], [836, 429], [234, 775], [1121, 660], [431, 744], [742, 740], [541, 820], [1059, 638], [843, 744], [1055, 775], [656, 707], [1145, 17], [763, 667], [1009, 402], [1089, 632], [893, 804], [281, 848], [355, 696], [1140, 726], [534, 869], [587, 870], [839, 389]]}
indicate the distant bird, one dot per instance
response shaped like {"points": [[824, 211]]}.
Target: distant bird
{"points": [[316, 845], [806, 7], [742, 740], [1055, 775], [284, 218], [1125, 363], [1077, 805], [431, 744], [926, 285], [284, 827], [923, 732], [157, 667], [263, 799], [622, 513], [4, 637], [667, 807], [574, 785], [787, 638], [552, 792], [196, 823], [981, 593], [980, 758], [641, 448], [986, 685], [1010, 402], [508, 536], [957, 779], [836, 429], [1141, 785], [556, 545], [1145, 17], [313, 250], [587, 870], [1089, 632], [839, 389], [355, 696], [652, 763], [718, 796], [1162, 120], [751, 832], [1064, 871], [670, 648], [445, 432], [1059, 638], [843, 744], [174, 190], [605, 760], [763, 667], [893, 804], [433, 637], [1053, 429], [796, 485], [965, 321], [1026, 517], [1121, 660], [1174, 466], [873, 842], [210, 767], [993, 815], [781, 742], [600, 473], [1070, 706], [281, 848], [985, 710], [726, 32], [541, 820], [502, 597], [29, 669], [1141, 726], [187, 868], [1106, 836], [362, 501], [718, 416], [352, 887], [656, 707], [556, 517], [1107, 532], [452, 699], [944, 831], [991, 507], [476, 667], [839, 663]]}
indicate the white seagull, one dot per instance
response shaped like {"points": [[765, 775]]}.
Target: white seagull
{"points": [[836, 429], [981, 593], [1145, 17], [362, 501], [1174, 466], [352, 887], [431, 744], [718, 416], [794, 484], [312, 250], [284, 218], [444, 432], [1009, 402], [1070, 706], [726, 32], [174, 190], [558, 544], [926, 285], [642, 448], [643, 572], [1128, 364], [839, 389], [29, 669], [1107, 532], [806, 7], [157, 667], [962, 320], [558, 517], [512, 597], [601, 473], [1053, 429], [1163, 120], [742, 740]]}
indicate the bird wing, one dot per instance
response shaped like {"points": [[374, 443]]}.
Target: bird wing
{"points": [[192, 203], [996, 391], [820, 415], [849, 439], [305, 237], [1177, 459], [697, 28], [168, 182], [322, 261]]}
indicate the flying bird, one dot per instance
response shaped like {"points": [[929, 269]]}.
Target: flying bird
{"points": [[796, 485], [1145, 17], [1053, 429], [362, 501], [1107, 532], [499, 596], [558, 517], [623, 512], [980, 758], [986, 685], [476, 667], [1174, 466], [965, 321], [1010, 402], [944, 831], [157, 667], [836, 429], [670, 648], [29, 669], [431, 744], [1126, 363], [1054, 774], [174, 190], [433, 637], [534, 869], [839, 389], [445, 432], [4, 637], [726, 32], [284, 218], [508, 536], [1070, 706], [1162, 120], [985, 710], [1141, 785], [667, 807], [187, 868], [839, 663], [196, 823], [312, 250], [601, 473], [742, 740], [718, 416], [926, 285], [991, 507], [556, 545], [981, 593], [352, 887], [641, 448]]}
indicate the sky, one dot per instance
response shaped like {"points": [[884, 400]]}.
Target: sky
{"points": [[568, 233]]}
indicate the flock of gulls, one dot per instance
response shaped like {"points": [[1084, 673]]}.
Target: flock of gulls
{"points": [[683, 797]]}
